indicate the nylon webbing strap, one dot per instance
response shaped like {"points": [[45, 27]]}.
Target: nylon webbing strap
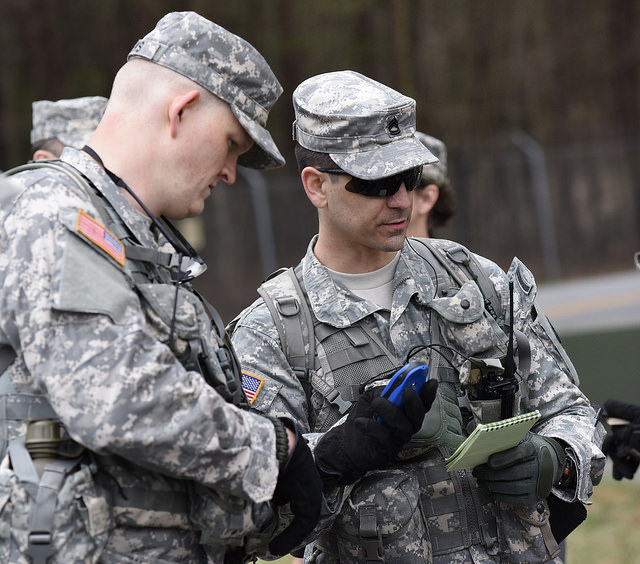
{"points": [[151, 500], [40, 537], [145, 254], [289, 310], [369, 535], [308, 324], [23, 407], [19, 407], [21, 462]]}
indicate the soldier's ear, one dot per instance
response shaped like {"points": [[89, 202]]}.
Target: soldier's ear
{"points": [[425, 199], [177, 107], [43, 154], [315, 185]]}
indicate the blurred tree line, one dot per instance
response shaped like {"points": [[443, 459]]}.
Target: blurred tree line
{"points": [[562, 74]]}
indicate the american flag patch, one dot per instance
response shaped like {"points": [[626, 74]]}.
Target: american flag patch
{"points": [[251, 385], [100, 236]]}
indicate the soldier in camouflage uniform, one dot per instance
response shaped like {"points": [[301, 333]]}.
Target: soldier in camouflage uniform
{"points": [[433, 200], [62, 123], [377, 300], [127, 434]]}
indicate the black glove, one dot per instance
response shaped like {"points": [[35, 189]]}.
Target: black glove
{"points": [[622, 444], [524, 474], [362, 443], [299, 485]]}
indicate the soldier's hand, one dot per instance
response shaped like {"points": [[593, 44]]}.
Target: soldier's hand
{"points": [[622, 443], [363, 442], [524, 474], [299, 484]]}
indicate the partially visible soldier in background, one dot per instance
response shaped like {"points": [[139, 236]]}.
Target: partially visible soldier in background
{"points": [[434, 201], [63, 123], [622, 443], [127, 434]]}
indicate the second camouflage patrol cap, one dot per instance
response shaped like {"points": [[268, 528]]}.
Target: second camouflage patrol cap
{"points": [[435, 173], [71, 121], [224, 64], [367, 128]]}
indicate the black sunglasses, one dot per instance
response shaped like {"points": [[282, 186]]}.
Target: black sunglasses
{"points": [[380, 186]]}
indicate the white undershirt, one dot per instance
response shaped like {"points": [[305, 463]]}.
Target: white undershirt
{"points": [[376, 286]]}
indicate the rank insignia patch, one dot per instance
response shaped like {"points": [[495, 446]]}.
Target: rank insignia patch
{"points": [[100, 236], [251, 385]]}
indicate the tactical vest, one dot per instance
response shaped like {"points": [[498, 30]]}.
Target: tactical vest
{"points": [[354, 355], [55, 486], [394, 512]]}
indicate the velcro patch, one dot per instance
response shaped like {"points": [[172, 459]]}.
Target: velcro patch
{"points": [[100, 236], [251, 385]]}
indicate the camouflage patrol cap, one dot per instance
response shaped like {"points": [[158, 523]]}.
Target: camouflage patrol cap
{"points": [[70, 121], [435, 173], [224, 64], [367, 128]]}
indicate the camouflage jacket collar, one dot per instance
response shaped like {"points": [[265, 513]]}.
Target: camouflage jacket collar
{"points": [[137, 222], [333, 303]]}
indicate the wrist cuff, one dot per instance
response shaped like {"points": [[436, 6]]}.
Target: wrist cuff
{"points": [[282, 441]]}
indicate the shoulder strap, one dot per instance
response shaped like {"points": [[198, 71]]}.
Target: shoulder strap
{"points": [[292, 317], [52, 164], [78, 179], [461, 265]]}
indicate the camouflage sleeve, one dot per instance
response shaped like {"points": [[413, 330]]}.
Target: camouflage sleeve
{"points": [[257, 345], [83, 340], [552, 383], [255, 339]]}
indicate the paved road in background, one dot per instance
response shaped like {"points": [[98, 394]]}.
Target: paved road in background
{"points": [[597, 303]]}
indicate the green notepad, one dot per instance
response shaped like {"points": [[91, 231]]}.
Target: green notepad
{"points": [[489, 438]]}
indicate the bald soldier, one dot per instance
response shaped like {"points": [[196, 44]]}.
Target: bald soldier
{"points": [[128, 436]]}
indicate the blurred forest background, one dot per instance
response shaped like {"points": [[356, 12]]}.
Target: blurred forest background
{"points": [[538, 102]]}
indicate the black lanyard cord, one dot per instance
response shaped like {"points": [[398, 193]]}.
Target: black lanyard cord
{"points": [[175, 238]]}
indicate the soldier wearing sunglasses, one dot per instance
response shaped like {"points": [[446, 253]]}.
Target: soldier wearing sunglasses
{"points": [[324, 339]]}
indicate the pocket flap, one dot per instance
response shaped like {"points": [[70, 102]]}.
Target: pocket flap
{"points": [[464, 307]]}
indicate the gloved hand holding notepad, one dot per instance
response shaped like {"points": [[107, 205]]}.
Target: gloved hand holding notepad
{"points": [[489, 438]]}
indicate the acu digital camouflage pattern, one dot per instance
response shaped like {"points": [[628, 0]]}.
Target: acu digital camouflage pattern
{"points": [[224, 64], [435, 173], [464, 524], [83, 519], [70, 121], [367, 128], [92, 336]]}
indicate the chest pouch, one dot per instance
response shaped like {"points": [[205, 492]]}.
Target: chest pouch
{"points": [[381, 522], [228, 521], [53, 512], [468, 328], [182, 322]]}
